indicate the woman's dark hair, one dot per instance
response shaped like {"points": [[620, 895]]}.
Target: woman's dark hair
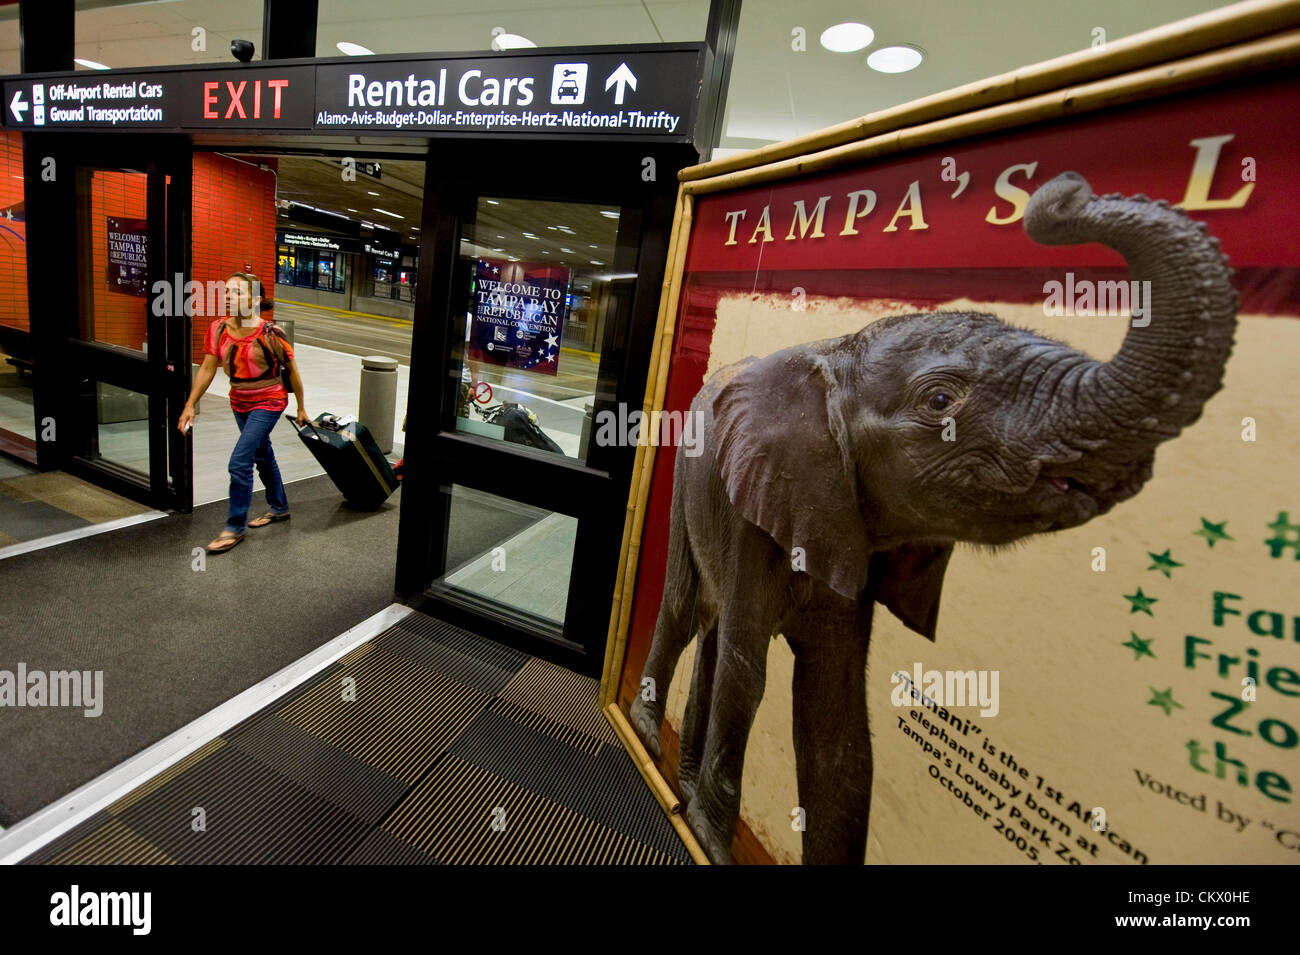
{"points": [[255, 291]]}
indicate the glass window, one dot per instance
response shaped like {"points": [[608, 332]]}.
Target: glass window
{"points": [[127, 33], [417, 26], [285, 263], [510, 553], [786, 83], [13, 234], [10, 57], [528, 359], [121, 435], [112, 234]]}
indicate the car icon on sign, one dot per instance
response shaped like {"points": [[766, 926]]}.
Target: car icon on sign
{"points": [[569, 83]]}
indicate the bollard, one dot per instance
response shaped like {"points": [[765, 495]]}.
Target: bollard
{"points": [[377, 408]]}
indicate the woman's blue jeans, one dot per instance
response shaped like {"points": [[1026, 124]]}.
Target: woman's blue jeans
{"points": [[254, 448]]}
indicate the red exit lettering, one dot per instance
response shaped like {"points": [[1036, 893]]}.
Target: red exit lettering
{"points": [[235, 94]]}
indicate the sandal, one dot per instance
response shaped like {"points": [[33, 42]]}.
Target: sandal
{"points": [[270, 517], [224, 541]]}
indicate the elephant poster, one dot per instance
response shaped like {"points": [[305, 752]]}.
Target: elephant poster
{"points": [[1122, 690]]}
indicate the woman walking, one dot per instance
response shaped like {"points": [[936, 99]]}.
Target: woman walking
{"points": [[252, 352]]}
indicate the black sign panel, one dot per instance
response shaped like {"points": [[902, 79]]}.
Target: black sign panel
{"points": [[625, 92], [230, 99], [314, 240], [651, 95]]}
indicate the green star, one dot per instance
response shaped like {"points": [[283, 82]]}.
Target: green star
{"points": [[1163, 700], [1139, 646], [1213, 532], [1163, 563], [1140, 602]]}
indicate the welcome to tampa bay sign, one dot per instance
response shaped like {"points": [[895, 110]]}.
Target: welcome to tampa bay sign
{"points": [[629, 92]]}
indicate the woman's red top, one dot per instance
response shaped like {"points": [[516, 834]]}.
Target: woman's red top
{"points": [[250, 361]]}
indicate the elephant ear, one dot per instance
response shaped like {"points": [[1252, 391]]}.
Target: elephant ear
{"points": [[785, 462], [908, 579]]}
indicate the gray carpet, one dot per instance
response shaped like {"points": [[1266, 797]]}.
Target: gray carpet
{"points": [[174, 642]]}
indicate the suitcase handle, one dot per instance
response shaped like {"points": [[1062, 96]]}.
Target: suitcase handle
{"points": [[294, 421]]}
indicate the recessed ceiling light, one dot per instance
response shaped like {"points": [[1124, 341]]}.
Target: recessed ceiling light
{"points": [[511, 41], [90, 64], [353, 49], [570, 251], [492, 202], [593, 247], [895, 59], [352, 210], [609, 213], [387, 213], [370, 193], [595, 262], [847, 37]]}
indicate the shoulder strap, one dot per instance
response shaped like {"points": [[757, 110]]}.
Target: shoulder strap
{"points": [[274, 353]]}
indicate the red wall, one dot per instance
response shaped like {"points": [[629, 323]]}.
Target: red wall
{"points": [[233, 227], [119, 317], [13, 234]]}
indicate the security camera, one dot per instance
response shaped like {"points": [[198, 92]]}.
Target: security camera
{"points": [[242, 50]]}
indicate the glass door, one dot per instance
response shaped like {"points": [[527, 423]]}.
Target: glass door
{"points": [[536, 355], [535, 314], [116, 323]]}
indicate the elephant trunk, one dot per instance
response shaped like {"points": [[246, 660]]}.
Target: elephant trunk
{"points": [[1173, 356]]}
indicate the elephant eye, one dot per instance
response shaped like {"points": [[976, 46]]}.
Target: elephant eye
{"points": [[939, 400]]}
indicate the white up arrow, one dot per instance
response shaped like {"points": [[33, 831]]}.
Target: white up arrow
{"points": [[17, 106], [624, 78]]}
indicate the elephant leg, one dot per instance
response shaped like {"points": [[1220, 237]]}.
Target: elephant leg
{"points": [[832, 742], [673, 632], [744, 632], [695, 722]]}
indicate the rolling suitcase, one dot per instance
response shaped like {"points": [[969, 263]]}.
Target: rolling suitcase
{"points": [[348, 453]]}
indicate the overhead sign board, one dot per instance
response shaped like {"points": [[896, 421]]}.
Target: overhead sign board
{"points": [[620, 92]]}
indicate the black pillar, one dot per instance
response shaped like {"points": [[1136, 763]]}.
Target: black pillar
{"points": [[45, 35], [724, 22], [288, 29]]}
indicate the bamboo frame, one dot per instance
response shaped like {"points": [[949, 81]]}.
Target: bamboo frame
{"points": [[941, 118], [656, 385]]}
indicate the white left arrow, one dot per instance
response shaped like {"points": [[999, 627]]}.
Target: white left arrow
{"points": [[18, 106], [624, 77]]}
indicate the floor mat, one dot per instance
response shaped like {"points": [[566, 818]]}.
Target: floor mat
{"points": [[427, 745], [35, 505]]}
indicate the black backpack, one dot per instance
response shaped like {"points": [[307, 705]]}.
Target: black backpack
{"points": [[276, 367]]}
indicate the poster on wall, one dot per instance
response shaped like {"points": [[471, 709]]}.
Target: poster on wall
{"points": [[996, 498], [519, 312], [127, 255]]}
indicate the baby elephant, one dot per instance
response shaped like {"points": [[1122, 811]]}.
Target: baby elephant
{"points": [[839, 473]]}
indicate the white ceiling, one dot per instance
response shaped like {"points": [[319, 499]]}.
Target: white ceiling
{"points": [[776, 92]]}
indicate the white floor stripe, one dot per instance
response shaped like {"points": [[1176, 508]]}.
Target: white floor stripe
{"points": [[26, 547], [46, 825]]}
